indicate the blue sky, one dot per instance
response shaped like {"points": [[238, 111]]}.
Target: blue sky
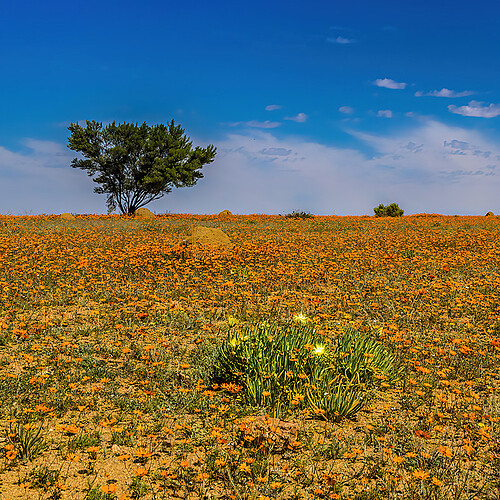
{"points": [[325, 106]]}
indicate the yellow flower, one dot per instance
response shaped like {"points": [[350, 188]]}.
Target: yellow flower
{"points": [[231, 321]]}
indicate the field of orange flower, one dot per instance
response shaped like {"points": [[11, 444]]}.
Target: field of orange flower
{"points": [[110, 330]]}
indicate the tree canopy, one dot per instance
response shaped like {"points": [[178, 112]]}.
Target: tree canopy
{"points": [[137, 164], [391, 210]]}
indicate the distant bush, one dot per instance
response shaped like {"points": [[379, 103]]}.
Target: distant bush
{"points": [[391, 210], [299, 214], [424, 215]]}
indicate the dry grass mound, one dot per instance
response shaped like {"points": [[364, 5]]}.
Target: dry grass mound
{"points": [[225, 213], [144, 213], [490, 214], [67, 216], [209, 236]]}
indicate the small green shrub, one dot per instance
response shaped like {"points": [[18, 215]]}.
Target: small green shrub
{"points": [[95, 493], [29, 440], [299, 214], [139, 488], [408, 253], [391, 210], [293, 367], [84, 440], [43, 477]]}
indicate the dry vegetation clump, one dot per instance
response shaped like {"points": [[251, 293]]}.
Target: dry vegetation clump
{"points": [[113, 335], [225, 213], [426, 215], [144, 213], [208, 237], [67, 216]]}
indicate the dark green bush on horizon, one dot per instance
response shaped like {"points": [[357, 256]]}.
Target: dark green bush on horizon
{"points": [[391, 210], [299, 214]]}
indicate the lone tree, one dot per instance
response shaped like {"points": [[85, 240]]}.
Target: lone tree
{"points": [[135, 165]]}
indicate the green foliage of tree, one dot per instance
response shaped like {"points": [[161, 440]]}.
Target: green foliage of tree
{"points": [[135, 165], [391, 210]]}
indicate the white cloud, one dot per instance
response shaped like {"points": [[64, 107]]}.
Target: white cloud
{"points": [[444, 93], [433, 148], [413, 168], [389, 84], [273, 107], [341, 40], [431, 167], [300, 118], [266, 124], [475, 108], [347, 110], [384, 113], [41, 180]]}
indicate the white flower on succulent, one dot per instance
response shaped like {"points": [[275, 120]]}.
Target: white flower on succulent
{"points": [[319, 349], [301, 318]]}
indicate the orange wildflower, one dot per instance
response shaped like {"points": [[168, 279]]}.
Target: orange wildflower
{"points": [[420, 474]]}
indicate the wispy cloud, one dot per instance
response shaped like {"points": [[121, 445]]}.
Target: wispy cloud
{"points": [[347, 110], [265, 124], [273, 107], [445, 93], [300, 118], [48, 151], [257, 124], [475, 108], [384, 113], [276, 151], [389, 84], [455, 147], [340, 40]]}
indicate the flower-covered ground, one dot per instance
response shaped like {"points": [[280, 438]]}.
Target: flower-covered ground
{"points": [[109, 327]]}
